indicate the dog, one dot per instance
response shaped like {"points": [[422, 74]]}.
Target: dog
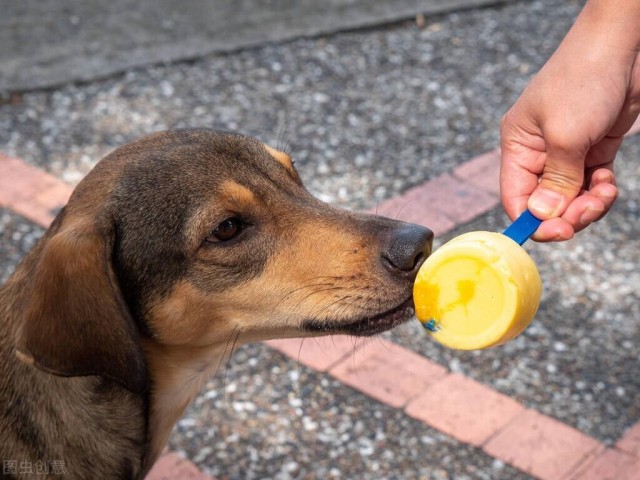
{"points": [[172, 248]]}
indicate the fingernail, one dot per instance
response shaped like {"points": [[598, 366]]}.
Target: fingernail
{"points": [[545, 203], [589, 215], [611, 192]]}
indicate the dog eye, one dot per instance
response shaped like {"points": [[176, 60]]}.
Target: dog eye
{"points": [[227, 230]]}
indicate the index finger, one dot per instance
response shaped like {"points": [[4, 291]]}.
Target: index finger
{"points": [[520, 169]]}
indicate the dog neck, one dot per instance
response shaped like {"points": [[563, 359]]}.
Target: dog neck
{"points": [[177, 375]]}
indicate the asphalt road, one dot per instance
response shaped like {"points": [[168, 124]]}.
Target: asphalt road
{"points": [[46, 43]]}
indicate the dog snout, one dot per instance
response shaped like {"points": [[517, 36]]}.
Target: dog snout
{"points": [[406, 249]]}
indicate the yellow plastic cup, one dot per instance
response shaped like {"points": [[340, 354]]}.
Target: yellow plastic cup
{"points": [[479, 290]]}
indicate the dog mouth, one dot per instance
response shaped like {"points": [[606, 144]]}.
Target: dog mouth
{"points": [[366, 326]]}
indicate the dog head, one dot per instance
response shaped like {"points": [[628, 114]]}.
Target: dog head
{"points": [[189, 237]]}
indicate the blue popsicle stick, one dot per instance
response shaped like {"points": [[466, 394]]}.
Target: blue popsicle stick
{"points": [[523, 227]]}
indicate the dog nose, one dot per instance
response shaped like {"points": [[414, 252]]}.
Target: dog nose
{"points": [[407, 248]]}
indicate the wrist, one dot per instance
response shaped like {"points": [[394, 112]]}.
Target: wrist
{"points": [[615, 24]]}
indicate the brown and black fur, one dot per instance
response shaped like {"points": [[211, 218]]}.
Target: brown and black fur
{"points": [[132, 297]]}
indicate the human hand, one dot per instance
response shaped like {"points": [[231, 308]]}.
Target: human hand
{"points": [[561, 137]]}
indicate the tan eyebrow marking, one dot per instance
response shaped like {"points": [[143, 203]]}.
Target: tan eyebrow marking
{"points": [[281, 157], [233, 192], [231, 196]]}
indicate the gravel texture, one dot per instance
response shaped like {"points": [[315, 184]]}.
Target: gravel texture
{"points": [[46, 44], [578, 360], [266, 416], [366, 114], [278, 420], [17, 237]]}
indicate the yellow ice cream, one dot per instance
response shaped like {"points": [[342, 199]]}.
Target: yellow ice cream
{"points": [[479, 290]]}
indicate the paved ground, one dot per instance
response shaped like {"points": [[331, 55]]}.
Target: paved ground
{"points": [[465, 410], [47, 43], [574, 361], [367, 115]]}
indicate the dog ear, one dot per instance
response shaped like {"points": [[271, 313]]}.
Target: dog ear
{"points": [[76, 322]]}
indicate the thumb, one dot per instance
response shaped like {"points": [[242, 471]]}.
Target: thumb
{"points": [[561, 182]]}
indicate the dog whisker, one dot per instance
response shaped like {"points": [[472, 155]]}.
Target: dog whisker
{"points": [[299, 352], [379, 337], [284, 136], [291, 292], [378, 200], [353, 356], [309, 285], [323, 290], [315, 318], [228, 361], [400, 209], [224, 352], [345, 308], [287, 144]]}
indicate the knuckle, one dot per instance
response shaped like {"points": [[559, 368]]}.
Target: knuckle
{"points": [[563, 177], [566, 143]]}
